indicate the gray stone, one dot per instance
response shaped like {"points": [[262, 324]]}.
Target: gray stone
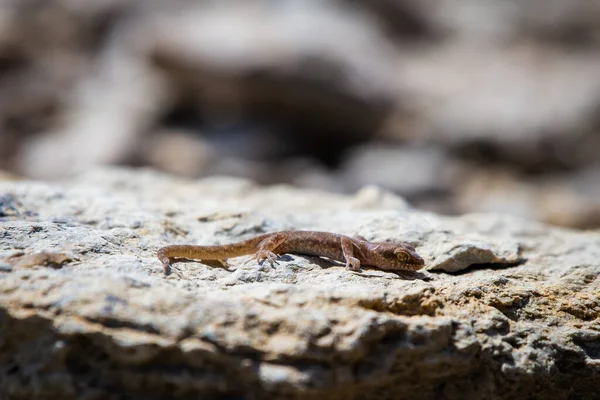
{"points": [[511, 310]]}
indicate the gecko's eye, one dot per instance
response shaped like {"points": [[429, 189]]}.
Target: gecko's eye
{"points": [[401, 255]]}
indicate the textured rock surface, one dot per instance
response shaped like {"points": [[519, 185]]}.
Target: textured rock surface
{"points": [[86, 312]]}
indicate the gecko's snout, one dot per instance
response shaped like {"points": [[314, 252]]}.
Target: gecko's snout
{"points": [[414, 261], [417, 259], [415, 264]]}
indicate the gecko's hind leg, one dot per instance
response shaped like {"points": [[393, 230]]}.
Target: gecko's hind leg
{"points": [[267, 248]]}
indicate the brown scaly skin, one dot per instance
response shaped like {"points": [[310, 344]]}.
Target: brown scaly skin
{"points": [[354, 251]]}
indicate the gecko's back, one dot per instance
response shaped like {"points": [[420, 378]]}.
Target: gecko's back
{"points": [[312, 243]]}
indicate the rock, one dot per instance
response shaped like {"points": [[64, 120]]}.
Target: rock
{"points": [[414, 173], [567, 199], [516, 317]]}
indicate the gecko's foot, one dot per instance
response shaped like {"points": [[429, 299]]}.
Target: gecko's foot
{"points": [[167, 269], [166, 264], [352, 264], [263, 255], [164, 260]]}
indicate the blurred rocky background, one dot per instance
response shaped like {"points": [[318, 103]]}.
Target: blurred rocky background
{"points": [[457, 105]]}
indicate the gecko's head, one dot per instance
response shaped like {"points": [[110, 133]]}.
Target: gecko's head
{"points": [[392, 256]]}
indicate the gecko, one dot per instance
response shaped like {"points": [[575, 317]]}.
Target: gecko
{"points": [[354, 251]]}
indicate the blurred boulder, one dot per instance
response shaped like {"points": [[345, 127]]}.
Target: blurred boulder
{"points": [[334, 94]]}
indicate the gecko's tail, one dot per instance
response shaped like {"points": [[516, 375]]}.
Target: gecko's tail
{"points": [[219, 252]]}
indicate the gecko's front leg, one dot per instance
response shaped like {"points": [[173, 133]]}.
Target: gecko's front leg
{"points": [[352, 263]]}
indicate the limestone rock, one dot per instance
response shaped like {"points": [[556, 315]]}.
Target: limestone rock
{"points": [[510, 309]]}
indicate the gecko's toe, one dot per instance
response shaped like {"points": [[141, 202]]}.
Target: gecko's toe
{"points": [[272, 259]]}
